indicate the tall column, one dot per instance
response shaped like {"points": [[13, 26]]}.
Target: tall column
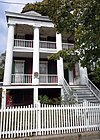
{"points": [[71, 77], [60, 69], [9, 56], [35, 95], [35, 78], [83, 74], [3, 102]]}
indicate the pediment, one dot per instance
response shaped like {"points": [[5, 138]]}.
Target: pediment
{"points": [[33, 13]]}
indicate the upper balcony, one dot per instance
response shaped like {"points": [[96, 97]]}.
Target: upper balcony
{"points": [[24, 38], [43, 44]]}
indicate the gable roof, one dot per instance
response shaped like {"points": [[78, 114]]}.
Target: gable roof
{"points": [[32, 13]]}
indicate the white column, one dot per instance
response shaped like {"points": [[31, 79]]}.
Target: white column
{"points": [[3, 102], [77, 74], [35, 95], [83, 74], [70, 73], [9, 56], [62, 95], [60, 68], [35, 79]]}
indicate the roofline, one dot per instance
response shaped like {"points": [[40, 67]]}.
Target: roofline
{"points": [[26, 16]]}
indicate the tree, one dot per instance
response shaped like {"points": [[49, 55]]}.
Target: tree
{"points": [[2, 62], [80, 18]]}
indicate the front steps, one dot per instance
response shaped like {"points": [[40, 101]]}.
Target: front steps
{"points": [[82, 92]]}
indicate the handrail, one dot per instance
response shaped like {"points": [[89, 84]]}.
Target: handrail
{"points": [[23, 39], [68, 89], [93, 88], [51, 42]]}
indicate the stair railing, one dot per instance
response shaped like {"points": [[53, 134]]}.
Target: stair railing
{"points": [[67, 88], [93, 88]]}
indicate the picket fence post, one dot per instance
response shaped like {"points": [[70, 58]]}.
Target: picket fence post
{"points": [[38, 117], [85, 104]]}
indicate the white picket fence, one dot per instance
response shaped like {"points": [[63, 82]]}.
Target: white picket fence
{"points": [[47, 119]]}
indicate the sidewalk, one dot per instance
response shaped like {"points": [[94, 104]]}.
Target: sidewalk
{"points": [[94, 135]]}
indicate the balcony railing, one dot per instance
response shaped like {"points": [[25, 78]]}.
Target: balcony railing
{"points": [[43, 44], [48, 78], [27, 78], [48, 44], [21, 78], [67, 45], [23, 43]]}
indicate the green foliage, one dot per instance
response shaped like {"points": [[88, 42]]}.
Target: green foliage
{"points": [[2, 62], [69, 99], [46, 100], [39, 7], [80, 18], [94, 74]]}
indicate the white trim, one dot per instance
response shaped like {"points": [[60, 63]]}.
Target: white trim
{"points": [[31, 87]]}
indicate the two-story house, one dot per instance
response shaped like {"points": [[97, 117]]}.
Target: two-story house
{"points": [[29, 73]]}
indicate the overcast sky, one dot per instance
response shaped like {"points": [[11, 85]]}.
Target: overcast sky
{"points": [[3, 24]]}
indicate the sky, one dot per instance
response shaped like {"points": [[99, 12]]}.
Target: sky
{"points": [[3, 23]]}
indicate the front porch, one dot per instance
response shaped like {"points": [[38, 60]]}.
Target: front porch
{"points": [[23, 95]]}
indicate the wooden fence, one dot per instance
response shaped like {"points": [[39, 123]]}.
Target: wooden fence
{"points": [[47, 119]]}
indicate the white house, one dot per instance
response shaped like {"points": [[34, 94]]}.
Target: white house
{"points": [[28, 72]]}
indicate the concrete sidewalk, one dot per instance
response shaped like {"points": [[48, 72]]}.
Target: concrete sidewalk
{"points": [[94, 135]]}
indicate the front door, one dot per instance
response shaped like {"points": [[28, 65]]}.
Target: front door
{"points": [[66, 75], [43, 71], [19, 71]]}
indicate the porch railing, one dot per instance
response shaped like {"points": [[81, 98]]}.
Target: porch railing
{"points": [[67, 45], [23, 43], [21, 78], [48, 44], [27, 78], [48, 78], [43, 44]]}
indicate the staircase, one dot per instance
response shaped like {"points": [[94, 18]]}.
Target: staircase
{"points": [[82, 92], [87, 92]]}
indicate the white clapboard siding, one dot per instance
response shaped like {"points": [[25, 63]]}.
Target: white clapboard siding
{"points": [[49, 119]]}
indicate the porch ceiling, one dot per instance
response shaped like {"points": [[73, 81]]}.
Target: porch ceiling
{"points": [[23, 54], [26, 29], [30, 55], [44, 55], [44, 32]]}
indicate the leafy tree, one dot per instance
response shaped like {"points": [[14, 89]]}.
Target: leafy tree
{"points": [[2, 62], [40, 7], [81, 19]]}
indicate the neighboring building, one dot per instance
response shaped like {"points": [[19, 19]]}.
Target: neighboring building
{"points": [[28, 73]]}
